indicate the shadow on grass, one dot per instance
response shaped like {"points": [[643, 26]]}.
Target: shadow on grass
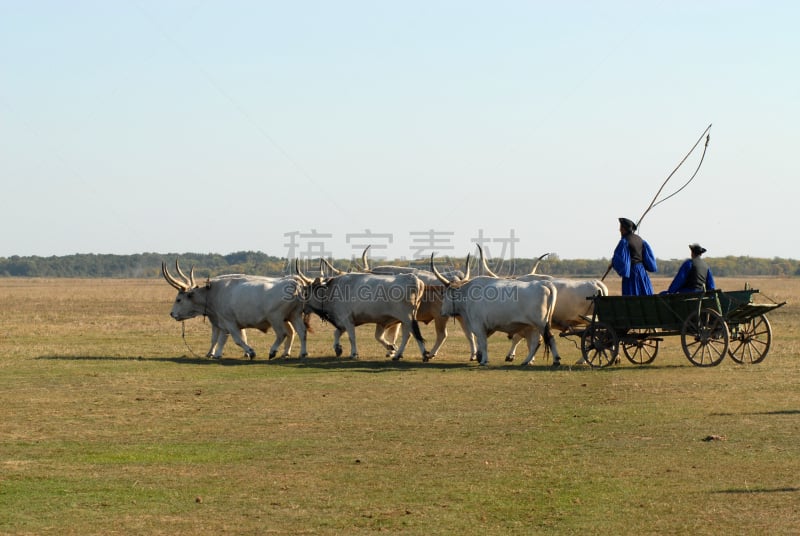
{"points": [[773, 412], [758, 490], [370, 365], [335, 363]]}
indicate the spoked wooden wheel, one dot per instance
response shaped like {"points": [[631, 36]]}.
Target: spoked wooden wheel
{"points": [[750, 341], [599, 345], [704, 338], [638, 348]]}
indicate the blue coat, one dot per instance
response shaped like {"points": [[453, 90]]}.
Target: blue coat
{"points": [[635, 281], [679, 284]]}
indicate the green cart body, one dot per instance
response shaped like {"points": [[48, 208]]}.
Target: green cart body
{"points": [[711, 325]]}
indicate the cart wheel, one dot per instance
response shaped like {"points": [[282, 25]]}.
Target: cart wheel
{"points": [[599, 345], [642, 350], [704, 338], [750, 341]]}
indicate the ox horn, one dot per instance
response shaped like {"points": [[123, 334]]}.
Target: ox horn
{"points": [[307, 280], [438, 275], [178, 285], [331, 267], [189, 281], [535, 266], [364, 260], [485, 266], [466, 273]]}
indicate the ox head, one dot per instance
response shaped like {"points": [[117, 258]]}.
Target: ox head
{"points": [[315, 291], [452, 294], [189, 294]]}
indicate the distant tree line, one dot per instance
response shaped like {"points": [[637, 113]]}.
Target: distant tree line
{"points": [[148, 265]]}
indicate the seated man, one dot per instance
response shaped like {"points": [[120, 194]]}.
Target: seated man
{"points": [[694, 274]]}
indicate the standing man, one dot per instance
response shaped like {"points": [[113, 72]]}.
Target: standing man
{"points": [[694, 274], [633, 258]]}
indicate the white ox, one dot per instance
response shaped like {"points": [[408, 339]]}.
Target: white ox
{"points": [[488, 304], [235, 302], [352, 299], [573, 307], [430, 308]]}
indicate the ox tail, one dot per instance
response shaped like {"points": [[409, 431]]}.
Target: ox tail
{"points": [[416, 331], [547, 335]]}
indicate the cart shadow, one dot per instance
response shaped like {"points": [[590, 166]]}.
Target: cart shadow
{"points": [[331, 363], [774, 412], [757, 490]]}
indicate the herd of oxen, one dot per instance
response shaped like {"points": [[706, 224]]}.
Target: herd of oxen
{"points": [[394, 298]]}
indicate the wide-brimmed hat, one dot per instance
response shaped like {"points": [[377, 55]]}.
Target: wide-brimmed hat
{"points": [[697, 249], [627, 224]]}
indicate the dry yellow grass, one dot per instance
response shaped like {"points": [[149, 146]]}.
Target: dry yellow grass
{"points": [[108, 424]]}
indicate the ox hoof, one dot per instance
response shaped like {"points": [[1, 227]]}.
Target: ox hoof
{"points": [[510, 358], [271, 355], [303, 356], [216, 357], [427, 356], [338, 351], [556, 364], [354, 356]]}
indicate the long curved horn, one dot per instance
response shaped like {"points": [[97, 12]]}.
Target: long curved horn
{"points": [[466, 273], [331, 267], [188, 281], [438, 275], [303, 277], [177, 285], [364, 260], [486, 269], [535, 266]]}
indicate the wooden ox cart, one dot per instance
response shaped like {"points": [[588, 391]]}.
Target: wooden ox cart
{"points": [[711, 325]]}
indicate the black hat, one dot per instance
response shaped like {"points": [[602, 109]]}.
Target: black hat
{"points": [[627, 224], [697, 249]]}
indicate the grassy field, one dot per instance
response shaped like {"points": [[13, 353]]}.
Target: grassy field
{"points": [[111, 424]]}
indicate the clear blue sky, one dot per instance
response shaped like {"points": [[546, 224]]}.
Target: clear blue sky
{"points": [[294, 127]]}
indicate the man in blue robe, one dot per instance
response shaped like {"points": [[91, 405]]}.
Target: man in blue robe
{"points": [[633, 258], [694, 274]]}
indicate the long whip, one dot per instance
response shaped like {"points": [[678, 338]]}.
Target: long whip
{"points": [[654, 202]]}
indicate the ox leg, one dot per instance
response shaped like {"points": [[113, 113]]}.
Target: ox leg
{"points": [[281, 334], [411, 327], [337, 342], [403, 341], [222, 338], [386, 336], [239, 337], [440, 325], [351, 334], [426, 356], [532, 338], [216, 333], [512, 352], [299, 326], [290, 333], [473, 345], [483, 348], [550, 341]]}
